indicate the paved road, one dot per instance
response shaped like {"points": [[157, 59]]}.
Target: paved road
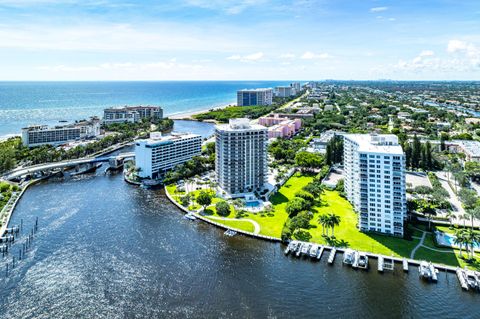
{"points": [[47, 166], [457, 207]]}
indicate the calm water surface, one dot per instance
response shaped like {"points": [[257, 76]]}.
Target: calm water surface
{"points": [[106, 249], [26, 103]]}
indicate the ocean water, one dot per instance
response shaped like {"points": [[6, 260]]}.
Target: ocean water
{"points": [[25, 103]]}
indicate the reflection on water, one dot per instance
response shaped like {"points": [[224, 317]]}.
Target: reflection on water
{"points": [[107, 249]]}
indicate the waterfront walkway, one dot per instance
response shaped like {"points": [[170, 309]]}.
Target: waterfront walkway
{"points": [[254, 223], [420, 244]]}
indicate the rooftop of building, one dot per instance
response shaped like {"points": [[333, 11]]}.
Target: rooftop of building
{"points": [[62, 125], [470, 147], [376, 143], [255, 90], [241, 124], [156, 138], [126, 107]]}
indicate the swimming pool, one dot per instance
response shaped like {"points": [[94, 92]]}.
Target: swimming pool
{"points": [[449, 240], [254, 203]]}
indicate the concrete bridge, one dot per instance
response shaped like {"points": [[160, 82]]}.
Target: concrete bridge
{"points": [[114, 161]]}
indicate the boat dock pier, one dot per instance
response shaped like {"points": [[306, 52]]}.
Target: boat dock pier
{"points": [[331, 257], [461, 279], [405, 264], [320, 252], [380, 263], [386, 262]]}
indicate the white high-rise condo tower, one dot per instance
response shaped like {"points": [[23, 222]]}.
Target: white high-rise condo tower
{"points": [[375, 181], [241, 157], [252, 97]]}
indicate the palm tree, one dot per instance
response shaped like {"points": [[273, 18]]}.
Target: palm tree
{"points": [[428, 209], [323, 220], [474, 214], [450, 215], [472, 238], [460, 240], [465, 217], [334, 220]]}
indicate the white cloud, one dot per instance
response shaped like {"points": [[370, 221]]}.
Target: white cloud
{"points": [[462, 57], [425, 53], [378, 9], [465, 50], [117, 37], [231, 7], [456, 45], [287, 56], [123, 66], [247, 58], [308, 55]]}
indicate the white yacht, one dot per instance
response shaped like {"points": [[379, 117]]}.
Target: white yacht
{"points": [[349, 256], [362, 260]]}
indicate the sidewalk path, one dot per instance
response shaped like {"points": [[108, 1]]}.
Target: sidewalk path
{"points": [[412, 254], [255, 224]]}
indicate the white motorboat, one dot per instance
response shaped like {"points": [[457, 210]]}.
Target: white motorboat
{"points": [[349, 256], [471, 279], [427, 271], [190, 216], [306, 249], [299, 249], [362, 260], [313, 251]]}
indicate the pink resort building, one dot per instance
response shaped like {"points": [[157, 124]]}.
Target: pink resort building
{"points": [[280, 126]]}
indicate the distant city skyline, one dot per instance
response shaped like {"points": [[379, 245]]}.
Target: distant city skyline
{"points": [[239, 40]]}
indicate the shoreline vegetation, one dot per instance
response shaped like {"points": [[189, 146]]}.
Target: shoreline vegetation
{"points": [[14, 154], [347, 235]]}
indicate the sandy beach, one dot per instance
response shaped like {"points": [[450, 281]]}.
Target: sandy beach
{"points": [[189, 115]]}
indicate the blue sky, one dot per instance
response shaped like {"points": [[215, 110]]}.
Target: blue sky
{"points": [[239, 39]]}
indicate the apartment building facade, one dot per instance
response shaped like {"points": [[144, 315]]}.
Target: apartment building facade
{"points": [[158, 154], [253, 97], [241, 157], [375, 181]]}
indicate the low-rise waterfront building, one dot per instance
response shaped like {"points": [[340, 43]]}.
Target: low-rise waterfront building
{"points": [[471, 149], [319, 144], [36, 135], [158, 154], [280, 127], [375, 181], [252, 97], [131, 114], [241, 157]]}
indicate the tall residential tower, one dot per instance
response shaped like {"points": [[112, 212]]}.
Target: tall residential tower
{"points": [[241, 157], [253, 97], [375, 181]]}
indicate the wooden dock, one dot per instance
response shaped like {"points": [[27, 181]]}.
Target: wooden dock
{"points": [[319, 255], [461, 279], [331, 257], [405, 264], [380, 263]]}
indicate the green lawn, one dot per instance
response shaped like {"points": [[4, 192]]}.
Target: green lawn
{"points": [[272, 225], [443, 255], [347, 233], [437, 257]]}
